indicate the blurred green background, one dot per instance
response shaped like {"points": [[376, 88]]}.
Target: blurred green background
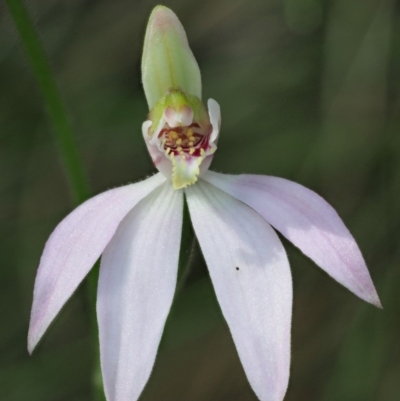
{"points": [[309, 91]]}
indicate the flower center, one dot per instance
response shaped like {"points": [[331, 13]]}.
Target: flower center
{"points": [[181, 136], [184, 141]]}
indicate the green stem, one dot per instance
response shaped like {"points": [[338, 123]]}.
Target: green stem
{"points": [[188, 242], [66, 142], [55, 107]]}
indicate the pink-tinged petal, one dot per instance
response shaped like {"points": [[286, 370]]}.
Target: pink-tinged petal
{"points": [[252, 280], [136, 287], [215, 118], [75, 245], [308, 221]]}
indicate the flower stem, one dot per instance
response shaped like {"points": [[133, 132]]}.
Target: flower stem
{"points": [[55, 107], [188, 242], [68, 149]]}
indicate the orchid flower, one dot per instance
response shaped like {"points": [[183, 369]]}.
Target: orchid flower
{"points": [[137, 230]]}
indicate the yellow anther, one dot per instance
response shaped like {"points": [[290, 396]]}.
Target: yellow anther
{"points": [[173, 134], [189, 132], [179, 148], [191, 151], [167, 151], [183, 157], [190, 143], [179, 141], [202, 151]]}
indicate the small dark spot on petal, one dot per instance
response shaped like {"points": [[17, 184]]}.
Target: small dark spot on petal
{"points": [[237, 268]]}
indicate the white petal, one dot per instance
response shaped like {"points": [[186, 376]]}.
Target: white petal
{"points": [[214, 112], [136, 287], [75, 245], [145, 129], [251, 276], [308, 221]]}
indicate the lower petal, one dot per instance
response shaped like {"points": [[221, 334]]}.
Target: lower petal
{"points": [[136, 287], [308, 221], [252, 280], [73, 248]]}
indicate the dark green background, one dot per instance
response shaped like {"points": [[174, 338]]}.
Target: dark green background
{"points": [[309, 90]]}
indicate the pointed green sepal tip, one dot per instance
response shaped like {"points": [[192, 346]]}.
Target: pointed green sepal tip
{"points": [[167, 60]]}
